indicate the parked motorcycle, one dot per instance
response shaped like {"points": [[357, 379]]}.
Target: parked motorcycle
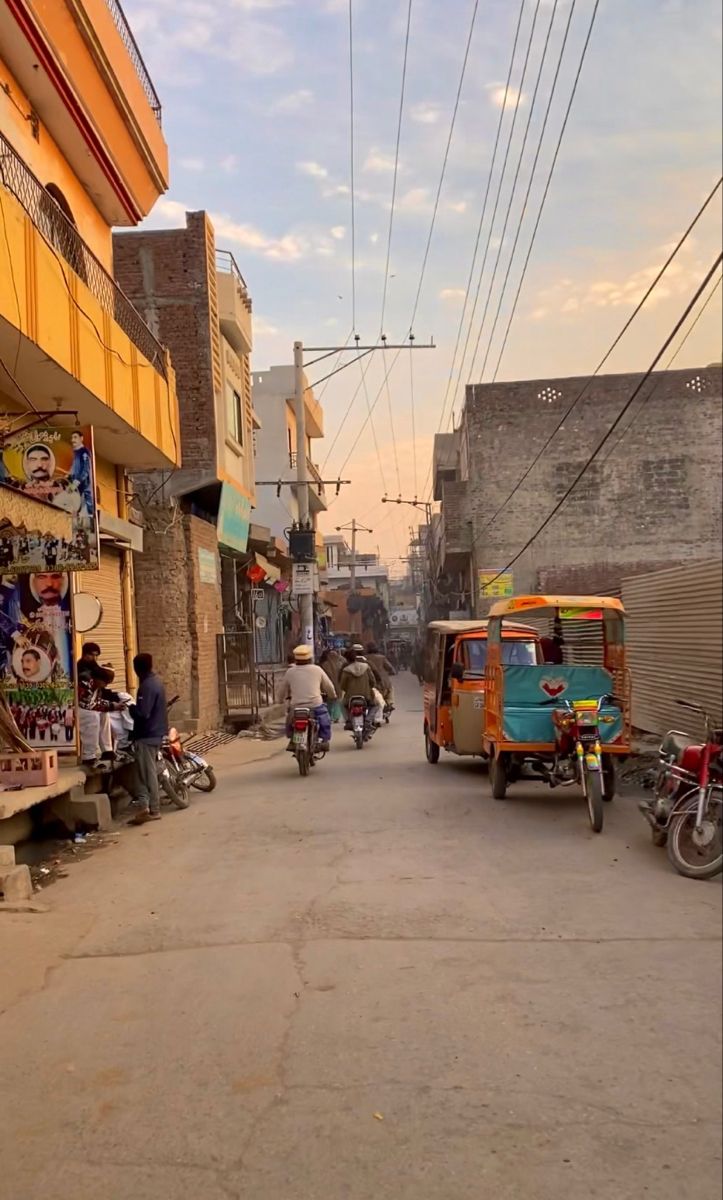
{"points": [[359, 721], [685, 811], [578, 755], [304, 744], [170, 766]]}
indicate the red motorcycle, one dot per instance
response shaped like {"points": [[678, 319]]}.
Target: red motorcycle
{"points": [[686, 808]]}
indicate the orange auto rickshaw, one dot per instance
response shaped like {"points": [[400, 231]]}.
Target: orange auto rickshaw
{"points": [[455, 657]]}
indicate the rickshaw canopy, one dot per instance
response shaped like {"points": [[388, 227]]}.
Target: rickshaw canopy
{"points": [[518, 604]]}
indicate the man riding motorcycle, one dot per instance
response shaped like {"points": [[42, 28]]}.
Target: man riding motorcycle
{"points": [[305, 685], [358, 679], [384, 669]]}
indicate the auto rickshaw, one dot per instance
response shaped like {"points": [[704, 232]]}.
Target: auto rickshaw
{"points": [[455, 655], [561, 722]]}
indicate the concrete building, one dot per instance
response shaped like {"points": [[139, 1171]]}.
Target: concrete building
{"points": [[363, 610], [82, 150], [652, 499], [194, 585]]}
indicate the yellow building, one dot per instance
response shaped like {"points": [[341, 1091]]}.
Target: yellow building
{"points": [[82, 150]]}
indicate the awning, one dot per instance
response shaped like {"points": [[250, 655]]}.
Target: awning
{"points": [[273, 574]]}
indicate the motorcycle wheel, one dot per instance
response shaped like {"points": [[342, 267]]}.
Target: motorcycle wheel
{"points": [[593, 786], [692, 856], [175, 788], [431, 749], [359, 738], [206, 781], [302, 758]]}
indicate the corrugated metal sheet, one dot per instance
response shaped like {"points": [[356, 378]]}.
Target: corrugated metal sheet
{"points": [[106, 585], [674, 628]]}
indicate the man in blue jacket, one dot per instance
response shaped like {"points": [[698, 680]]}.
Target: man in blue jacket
{"points": [[150, 726]]}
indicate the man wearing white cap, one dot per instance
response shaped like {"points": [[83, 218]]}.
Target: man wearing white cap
{"points": [[305, 685]]}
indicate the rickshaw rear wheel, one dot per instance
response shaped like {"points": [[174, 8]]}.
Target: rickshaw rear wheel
{"points": [[608, 777], [431, 749], [498, 776]]}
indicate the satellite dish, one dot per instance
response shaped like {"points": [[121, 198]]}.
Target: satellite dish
{"points": [[88, 612]]}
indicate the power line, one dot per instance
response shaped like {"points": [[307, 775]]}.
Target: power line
{"points": [[501, 236], [681, 241], [547, 184], [667, 367], [500, 182], [636, 391], [396, 164], [351, 168], [414, 429], [482, 217]]}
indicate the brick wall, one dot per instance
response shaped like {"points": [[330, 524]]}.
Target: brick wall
{"points": [[170, 275], [178, 616], [652, 499]]}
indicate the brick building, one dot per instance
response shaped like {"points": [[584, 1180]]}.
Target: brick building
{"points": [[651, 499], [199, 535]]}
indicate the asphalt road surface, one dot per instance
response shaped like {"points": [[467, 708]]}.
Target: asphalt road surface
{"points": [[377, 983]]}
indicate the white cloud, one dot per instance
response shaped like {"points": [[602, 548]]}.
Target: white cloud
{"points": [[457, 206], [497, 96], [425, 114], [191, 164], [338, 189], [452, 294], [237, 31], [263, 328], [314, 169], [288, 248], [373, 238], [414, 200], [338, 232], [292, 102], [378, 163], [229, 164]]}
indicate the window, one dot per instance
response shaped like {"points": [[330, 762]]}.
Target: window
{"points": [[57, 223], [235, 415], [515, 652]]}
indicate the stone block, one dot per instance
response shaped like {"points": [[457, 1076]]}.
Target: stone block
{"points": [[7, 856], [15, 884], [76, 808]]}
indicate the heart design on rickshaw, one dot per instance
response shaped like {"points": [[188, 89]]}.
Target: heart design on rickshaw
{"points": [[553, 687]]}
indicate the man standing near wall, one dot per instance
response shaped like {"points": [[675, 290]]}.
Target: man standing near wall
{"points": [[150, 726]]}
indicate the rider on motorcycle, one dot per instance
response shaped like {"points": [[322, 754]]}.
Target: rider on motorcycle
{"points": [[305, 684], [358, 679], [384, 670]]}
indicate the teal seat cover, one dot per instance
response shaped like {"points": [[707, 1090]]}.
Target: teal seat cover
{"points": [[532, 693]]}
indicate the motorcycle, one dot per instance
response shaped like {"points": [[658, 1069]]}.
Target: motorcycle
{"points": [[170, 766], [387, 712], [686, 809], [304, 744], [578, 755], [359, 721]]}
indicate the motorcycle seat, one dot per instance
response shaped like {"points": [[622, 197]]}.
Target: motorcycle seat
{"points": [[675, 743]]}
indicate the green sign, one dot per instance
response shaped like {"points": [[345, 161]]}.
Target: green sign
{"points": [[234, 515]]}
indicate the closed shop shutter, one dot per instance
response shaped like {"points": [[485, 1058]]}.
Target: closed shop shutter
{"points": [[673, 635], [106, 585]]}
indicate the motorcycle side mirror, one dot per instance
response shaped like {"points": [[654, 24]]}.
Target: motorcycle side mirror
{"points": [[457, 672]]}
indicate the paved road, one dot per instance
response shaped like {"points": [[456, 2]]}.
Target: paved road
{"points": [[379, 984]]}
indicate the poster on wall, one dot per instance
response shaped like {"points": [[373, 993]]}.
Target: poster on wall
{"points": [[495, 583], [55, 466], [36, 657]]}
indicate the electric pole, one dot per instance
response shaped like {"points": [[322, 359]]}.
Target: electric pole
{"points": [[354, 527], [306, 600]]}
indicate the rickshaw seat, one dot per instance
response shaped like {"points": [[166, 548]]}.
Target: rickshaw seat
{"points": [[532, 693]]}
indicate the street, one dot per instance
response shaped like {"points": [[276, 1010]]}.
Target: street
{"points": [[374, 984]]}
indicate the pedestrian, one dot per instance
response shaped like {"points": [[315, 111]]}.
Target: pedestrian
{"points": [[150, 727], [332, 662]]}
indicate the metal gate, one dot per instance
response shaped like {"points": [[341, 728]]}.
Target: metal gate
{"points": [[237, 674]]}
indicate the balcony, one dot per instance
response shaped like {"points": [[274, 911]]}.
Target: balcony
{"points": [[75, 340], [234, 303], [82, 75], [317, 494]]}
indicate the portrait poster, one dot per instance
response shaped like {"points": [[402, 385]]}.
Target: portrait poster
{"points": [[36, 657], [55, 466]]}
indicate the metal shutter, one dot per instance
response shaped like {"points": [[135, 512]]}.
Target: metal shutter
{"points": [[673, 634], [106, 585]]}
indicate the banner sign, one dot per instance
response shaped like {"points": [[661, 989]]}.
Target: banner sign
{"points": [[234, 518], [491, 583], [55, 466], [303, 579], [36, 657]]}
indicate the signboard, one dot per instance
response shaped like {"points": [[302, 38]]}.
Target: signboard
{"points": [[581, 614], [494, 584], [207, 566], [36, 657], [234, 517], [403, 616], [302, 583], [55, 466]]}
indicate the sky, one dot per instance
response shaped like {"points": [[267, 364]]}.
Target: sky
{"points": [[256, 111]]}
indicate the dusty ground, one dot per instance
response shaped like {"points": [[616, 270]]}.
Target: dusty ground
{"points": [[378, 984]]}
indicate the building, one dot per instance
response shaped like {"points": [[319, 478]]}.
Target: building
{"points": [[201, 541], [355, 590], [82, 151], [650, 500]]}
